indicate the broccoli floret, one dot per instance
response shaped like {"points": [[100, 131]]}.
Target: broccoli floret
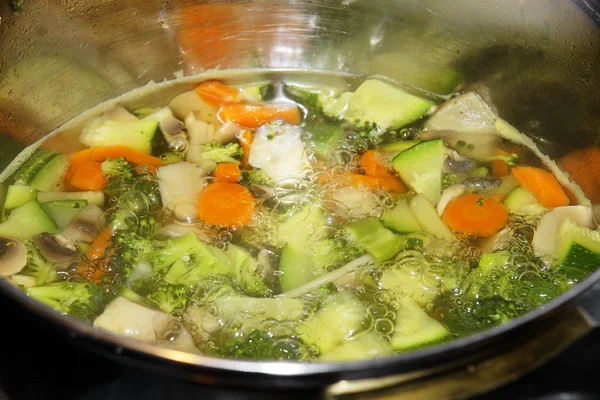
{"points": [[480, 315], [16, 6], [117, 167], [38, 267], [497, 275], [256, 176], [335, 252], [169, 298], [82, 300], [172, 249], [260, 345], [186, 261], [222, 153], [126, 251], [135, 200]]}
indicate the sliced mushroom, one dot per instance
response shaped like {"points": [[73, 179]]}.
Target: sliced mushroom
{"points": [[81, 231], [56, 248], [13, 256], [481, 184], [170, 127], [456, 163]]}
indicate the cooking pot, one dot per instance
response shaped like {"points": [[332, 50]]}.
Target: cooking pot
{"points": [[536, 61]]}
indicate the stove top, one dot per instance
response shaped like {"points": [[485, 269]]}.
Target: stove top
{"points": [[39, 366]]}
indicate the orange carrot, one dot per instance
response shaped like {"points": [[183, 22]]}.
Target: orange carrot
{"points": [[583, 167], [96, 254], [87, 175], [118, 151], [500, 167], [371, 164], [387, 183], [98, 247], [245, 141], [217, 94], [226, 204], [253, 116], [227, 172], [374, 168], [543, 185], [474, 214]]}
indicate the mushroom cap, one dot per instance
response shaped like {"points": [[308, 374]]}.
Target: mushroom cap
{"points": [[13, 256]]}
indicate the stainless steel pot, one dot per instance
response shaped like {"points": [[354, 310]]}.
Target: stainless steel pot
{"points": [[537, 61]]}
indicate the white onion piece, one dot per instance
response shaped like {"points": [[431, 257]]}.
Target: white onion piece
{"points": [[546, 234], [278, 150], [451, 193], [126, 318], [180, 183]]}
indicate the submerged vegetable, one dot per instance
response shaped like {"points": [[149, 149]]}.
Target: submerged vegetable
{"points": [[308, 222]]}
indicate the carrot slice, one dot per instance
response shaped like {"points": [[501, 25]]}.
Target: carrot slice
{"points": [[217, 94], [543, 185], [253, 116], [102, 153], [226, 204], [371, 164], [246, 141], [583, 167], [227, 172], [87, 176], [474, 214], [374, 168], [500, 167], [96, 254]]}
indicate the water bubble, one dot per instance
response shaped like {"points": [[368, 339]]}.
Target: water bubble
{"points": [[225, 236], [384, 326], [381, 297], [185, 213], [377, 310]]}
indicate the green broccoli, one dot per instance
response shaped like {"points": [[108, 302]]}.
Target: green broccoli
{"points": [[499, 290], [222, 153], [480, 315], [169, 298], [80, 299], [135, 200], [260, 345], [126, 251], [335, 252], [38, 267], [186, 261], [16, 6], [498, 275], [172, 249], [256, 176]]}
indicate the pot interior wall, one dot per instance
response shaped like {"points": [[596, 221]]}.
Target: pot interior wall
{"points": [[536, 60]]}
